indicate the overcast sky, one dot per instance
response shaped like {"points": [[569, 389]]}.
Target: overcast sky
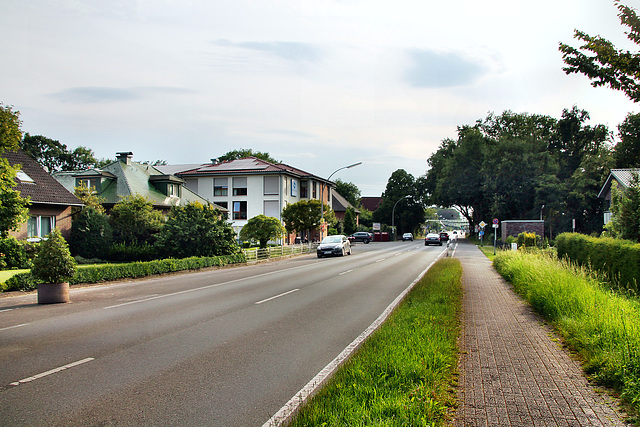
{"points": [[318, 84]]}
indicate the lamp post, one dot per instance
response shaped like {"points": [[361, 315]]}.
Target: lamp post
{"points": [[393, 214], [322, 194]]}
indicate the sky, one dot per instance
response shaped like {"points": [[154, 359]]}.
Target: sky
{"points": [[318, 84]]}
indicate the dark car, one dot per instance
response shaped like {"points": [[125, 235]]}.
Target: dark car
{"points": [[361, 236], [432, 239], [334, 245], [444, 236]]}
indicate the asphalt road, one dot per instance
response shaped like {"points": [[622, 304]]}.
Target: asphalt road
{"points": [[226, 347]]}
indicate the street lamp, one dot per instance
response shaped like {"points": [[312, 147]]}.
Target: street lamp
{"points": [[322, 194], [393, 214]]}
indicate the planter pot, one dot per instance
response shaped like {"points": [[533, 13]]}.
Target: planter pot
{"points": [[51, 293]]}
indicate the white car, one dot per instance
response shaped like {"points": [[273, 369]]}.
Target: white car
{"points": [[407, 236], [334, 245]]}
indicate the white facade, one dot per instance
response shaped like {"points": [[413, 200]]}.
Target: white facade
{"points": [[249, 195]]}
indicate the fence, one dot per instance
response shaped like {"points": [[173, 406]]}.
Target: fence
{"points": [[257, 254]]}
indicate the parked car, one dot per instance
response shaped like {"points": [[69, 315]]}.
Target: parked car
{"points": [[432, 239], [361, 236], [444, 236], [334, 245], [407, 236]]}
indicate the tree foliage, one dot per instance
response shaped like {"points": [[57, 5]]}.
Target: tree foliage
{"points": [[135, 221], [519, 166], [91, 234], [247, 152], [627, 152], [262, 228], [89, 198], [304, 216], [52, 155], [401, 193], [349, 191], [196, 230], [14, 209], [603, 63], [349, 223], [625, 210]]}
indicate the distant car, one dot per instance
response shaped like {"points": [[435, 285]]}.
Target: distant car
{"points": [[432, 239], [444, 236], [361, 236], [334, 245], [407, 236]]}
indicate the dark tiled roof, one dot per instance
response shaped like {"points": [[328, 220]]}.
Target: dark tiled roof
{"points": [[340, 204], [370, 203], [44, 188]]}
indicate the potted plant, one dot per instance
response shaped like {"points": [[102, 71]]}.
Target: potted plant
{"points": [[52, 267]]}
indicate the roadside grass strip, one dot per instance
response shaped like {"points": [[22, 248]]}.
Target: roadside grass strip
{"points": [[600, 325], [406, 372]]}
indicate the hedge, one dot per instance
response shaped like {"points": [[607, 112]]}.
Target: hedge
{"points": [[618, 260], [106, 272]]}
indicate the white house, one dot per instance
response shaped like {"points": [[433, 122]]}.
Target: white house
{"points": [[250, 186]]}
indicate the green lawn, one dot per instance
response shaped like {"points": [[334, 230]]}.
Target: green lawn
{"points": [[6, 274], [405, 374]]}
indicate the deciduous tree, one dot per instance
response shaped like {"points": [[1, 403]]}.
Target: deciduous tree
{"points": [[603, 63], [262, 228]]}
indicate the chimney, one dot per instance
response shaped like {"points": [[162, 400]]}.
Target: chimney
{"points": [[124, 157], [215, 161]]}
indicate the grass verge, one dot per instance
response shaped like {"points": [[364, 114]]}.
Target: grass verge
{"points": [[601, 326], [404, 374]]}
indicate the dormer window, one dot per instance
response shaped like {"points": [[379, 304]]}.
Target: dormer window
{"points": [[173, 190], [90, 183]]}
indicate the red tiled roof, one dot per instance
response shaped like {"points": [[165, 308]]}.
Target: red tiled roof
{"points": [[44, 188], [247, 165]]}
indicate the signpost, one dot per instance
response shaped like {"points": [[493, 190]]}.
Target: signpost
{"points": [[496, 224], [481, 233]]}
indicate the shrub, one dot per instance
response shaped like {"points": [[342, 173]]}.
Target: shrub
{"points": [[53, 263], [618, 259], [15, 253], [129, 252], [91, 234], [196, 230]]}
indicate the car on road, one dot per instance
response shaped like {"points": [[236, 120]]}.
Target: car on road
{"points": [[444, 236], [361, 236], [432, 239], [407, 236], [334, 245]]}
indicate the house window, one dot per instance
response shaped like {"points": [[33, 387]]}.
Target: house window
{"points": [[315, 191], [294, 188], [272, 208], [239, 186], [271, 184], [24, 178], [223, 204], [239, 210], [40, 226], [304, 189], [220, 186]]}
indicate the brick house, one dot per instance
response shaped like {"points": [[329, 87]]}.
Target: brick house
{"points": [[516, 226], [52, 205]]}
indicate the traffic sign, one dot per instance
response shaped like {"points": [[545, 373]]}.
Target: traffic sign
{"points": [[482, 224], [495, 221]]}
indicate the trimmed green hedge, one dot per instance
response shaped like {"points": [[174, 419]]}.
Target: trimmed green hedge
{"points": [[107, 272], [618, 259]]}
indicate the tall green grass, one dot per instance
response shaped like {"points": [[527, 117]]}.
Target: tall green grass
{"points": [[600, 325], [404, 374]]}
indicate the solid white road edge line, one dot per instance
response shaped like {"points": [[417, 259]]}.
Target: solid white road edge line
{"points": [[52, 371], [278, 296], [292, 406]]}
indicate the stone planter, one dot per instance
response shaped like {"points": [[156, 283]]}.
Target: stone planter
{"points": [[52, 293]]}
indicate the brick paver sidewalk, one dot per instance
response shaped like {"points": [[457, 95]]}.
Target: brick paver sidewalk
{"points": [[512, 371]]}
